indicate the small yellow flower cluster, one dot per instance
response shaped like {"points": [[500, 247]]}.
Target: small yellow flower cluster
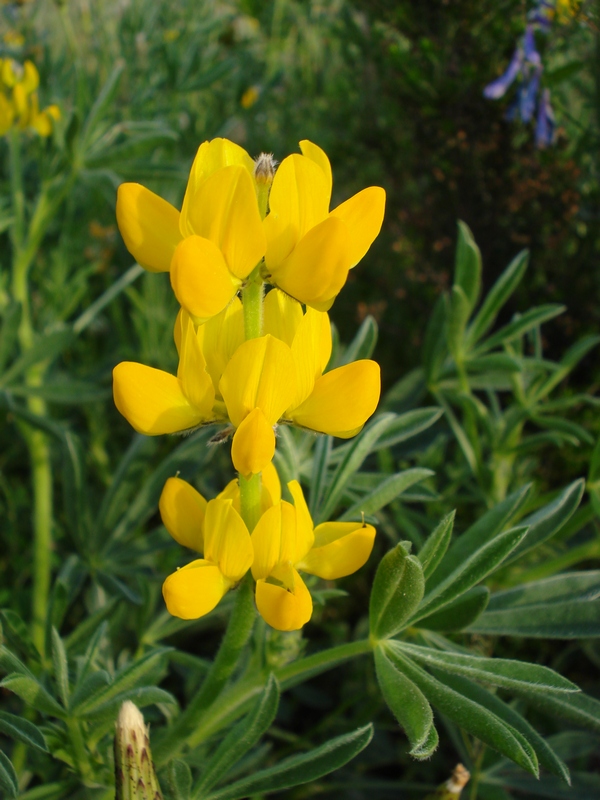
{"points": [[19, 105], [252, 363]]}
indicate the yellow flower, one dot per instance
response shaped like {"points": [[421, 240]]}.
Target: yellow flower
{"points": [[337, 403], [218, 532], [257, 386], [155, 402], [309, 248], [250, 96], [285, 543], [216, 240]]}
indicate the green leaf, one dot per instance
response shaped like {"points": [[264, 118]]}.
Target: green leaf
{"points": [[472, 571], [92, 311], [567, 363], [90, 627], [497, 297], [8, 777], [45, 349], [61, 667], [66, 391], [545, 754], [102, 102], [507, 673], [180, 780], [565, 606], [126, 678], [468, 714], [593, 482], [458, 311], [387, 491], [320, 465], [17, 634], [460, 613], [484, 530], [521, 324], [33, 693], [89, 685], [241, 738], [436, 545], [142, 696], [434, 344], [494, 362], [22, 730], [11, 318], [580, 708], [299, 769], [564, 426], [350, 463], [547, 521], [363, 344], [467, 272], [397, 591], [406, 702], [10, 663], [406, 426]]}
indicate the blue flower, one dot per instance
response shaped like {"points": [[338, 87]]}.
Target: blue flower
{"points": [[498, 88]]}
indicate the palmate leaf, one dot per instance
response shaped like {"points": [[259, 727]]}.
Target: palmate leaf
{"points": [[565, 606], [406, 702], [397, 591], [468, 714], [298, 769], [460, 613], [33, 693]]}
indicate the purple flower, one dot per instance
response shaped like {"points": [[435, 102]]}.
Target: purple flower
{"points": [[545, 124], [527, 96], [498, 87], [531, 54]]}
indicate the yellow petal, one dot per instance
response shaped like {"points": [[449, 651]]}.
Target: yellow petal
{"points": [[149, 226], [220, 337], [278, 539], [226, 539], [314, 152], [202, 283], [196, 382], [225, 210], [195, 589], [363, 213], [152, 401], [31, 78], [211, 156], [342, 400], [271, 486], [232, 492], [311, 350], [340, 549], [317, 268], [182, 510], [260, 374], [253, 445], [298, 201], [281, 316], [285, 609], [304, 524]]}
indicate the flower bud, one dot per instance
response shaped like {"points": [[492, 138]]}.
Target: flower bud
{"points": [[264, 169], [452, 788], [135, 778]]}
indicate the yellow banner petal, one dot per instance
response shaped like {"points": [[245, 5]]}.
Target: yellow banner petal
{"points": [[194, 590], [152, 401], [304, 524], [281, 316], [281, 608], [342, 400], [202, 283], [220, 337], [225, 210], [260, 374], [226, 539], [316, 154], [271, 486], [253, 445], [182, 511], [363, 213], [340, 549], [211, 156], [317, 268], [149, 226], [266, 543]]}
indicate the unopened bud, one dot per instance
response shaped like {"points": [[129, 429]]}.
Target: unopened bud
{"points": [[135, 777], [452, 788], [264, 169]]}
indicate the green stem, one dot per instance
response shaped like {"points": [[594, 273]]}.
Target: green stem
{"points": [[252, 295], [234, 641]]}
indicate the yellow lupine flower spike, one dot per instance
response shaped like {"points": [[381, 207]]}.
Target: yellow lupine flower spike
{"points": [[155, 402], [309, 248], [321, 401], [257, 386], [284, 544], [197, 588]]}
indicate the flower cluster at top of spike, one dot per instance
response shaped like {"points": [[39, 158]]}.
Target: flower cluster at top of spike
{"points": [[244, 223], [525, 67], [19, 105]]}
